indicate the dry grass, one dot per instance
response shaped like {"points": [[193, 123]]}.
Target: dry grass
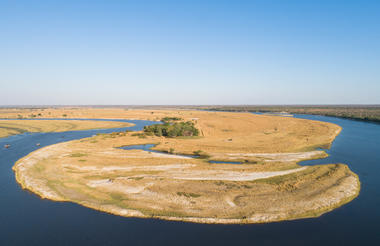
{"points": [[222, 132], [113, 180], [12, 127], [95, 173], [82, 112]]}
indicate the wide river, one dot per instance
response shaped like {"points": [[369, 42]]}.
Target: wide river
{"points": [[25, 219]]}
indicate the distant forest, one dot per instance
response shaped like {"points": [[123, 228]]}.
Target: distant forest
{"points": [[357, 112]]}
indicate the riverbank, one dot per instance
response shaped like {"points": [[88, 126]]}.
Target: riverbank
{"points": [[366, 113], [14, 127], [95, 173]]}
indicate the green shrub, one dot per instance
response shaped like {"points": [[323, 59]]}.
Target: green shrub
{"points": [[139, 134], [172, 129], [201, 154], [169, 119], [78, 155], [188, 195]]}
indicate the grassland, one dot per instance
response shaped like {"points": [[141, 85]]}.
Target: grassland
{"points": [[13, 127], [357, 112], [226, 132], [81, 112], [269, 186]]}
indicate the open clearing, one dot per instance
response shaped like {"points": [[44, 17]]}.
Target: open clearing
{"points": [[269, 186]]}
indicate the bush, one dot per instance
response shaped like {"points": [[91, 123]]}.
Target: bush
{"points": [[78, 155], [188, 195], [138, 134], [172, 129], [201, 154], [169, 119]]}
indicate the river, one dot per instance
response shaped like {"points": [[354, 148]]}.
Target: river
{"points": [[25, 219]]}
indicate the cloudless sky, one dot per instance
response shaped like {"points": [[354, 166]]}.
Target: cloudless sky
{"points": [[189, 52]]}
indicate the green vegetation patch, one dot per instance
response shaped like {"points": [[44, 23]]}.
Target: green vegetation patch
{"points": [[136, 178], [188, 195], [139, 134], [78, 155], [169, 119], [201, 154], [172, 129]]}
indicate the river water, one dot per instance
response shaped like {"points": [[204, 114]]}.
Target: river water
{"points": [[25, 219]]}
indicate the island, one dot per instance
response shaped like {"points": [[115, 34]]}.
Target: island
{"points": [[203, 167]]}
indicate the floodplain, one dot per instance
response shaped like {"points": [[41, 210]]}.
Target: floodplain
{"points": [[268, 186]]}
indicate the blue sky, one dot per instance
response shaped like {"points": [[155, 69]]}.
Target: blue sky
{"points": [[189, 52]]}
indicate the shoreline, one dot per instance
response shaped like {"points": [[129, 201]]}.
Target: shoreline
{"points": [[270, 113], [13, 127]]}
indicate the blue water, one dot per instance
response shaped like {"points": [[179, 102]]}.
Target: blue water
{"points": [[25, 219], [224, 162]]}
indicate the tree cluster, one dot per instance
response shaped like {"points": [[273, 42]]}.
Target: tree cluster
{"points": [[169, 119], [172, 129]]}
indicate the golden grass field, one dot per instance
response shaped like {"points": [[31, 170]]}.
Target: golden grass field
{"points": [[269, 186], [13, 127], [229, 132], [82, 112]]}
